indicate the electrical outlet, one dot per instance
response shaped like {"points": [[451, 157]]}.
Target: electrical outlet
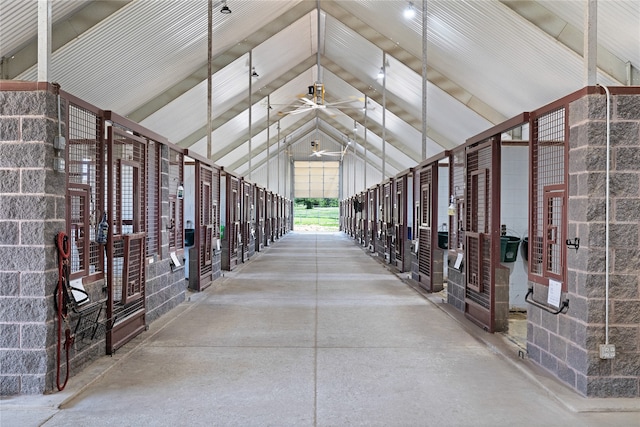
{"points": [[607, 351]]}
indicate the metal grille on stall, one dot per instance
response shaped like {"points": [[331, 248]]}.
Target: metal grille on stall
{"points": [[246, 215], [268, 237], [86, 158], [176, 201], [206, 221], [372, 217], [457, 186], [153, 200], [260, 216], [387, 219], [126, 190], [549, 154], [425, 227], [478, 229], [233, 230], [399, 220]]}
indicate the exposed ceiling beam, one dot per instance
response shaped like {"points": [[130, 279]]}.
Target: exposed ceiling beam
{"points": [[222, 60], [572, 38], [370, 149], [435, 77], [241, 105], [257, 128], [274, 153], [62, 32], [326, 129], [390, 103], [372, 127], [328, 121], [376, 129]]}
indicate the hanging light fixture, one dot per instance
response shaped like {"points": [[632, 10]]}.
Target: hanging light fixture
{"points": [[381, 73], [225, 9], [409, 11], [254, 73]]}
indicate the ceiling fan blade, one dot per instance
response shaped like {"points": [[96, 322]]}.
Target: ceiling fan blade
{"points": [[308, 102], [346, 101], [296, 111]]}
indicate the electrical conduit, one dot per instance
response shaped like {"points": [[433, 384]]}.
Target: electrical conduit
{"points": [[606, 214]]}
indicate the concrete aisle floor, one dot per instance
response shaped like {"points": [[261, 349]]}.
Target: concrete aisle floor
{"points": [[312, 332]]}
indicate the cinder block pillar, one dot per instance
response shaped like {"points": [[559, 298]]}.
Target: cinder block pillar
{"points": [[568, 344], [32, 210]]}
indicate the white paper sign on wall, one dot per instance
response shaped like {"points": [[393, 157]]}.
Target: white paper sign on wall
{"points": [[555, 290]]}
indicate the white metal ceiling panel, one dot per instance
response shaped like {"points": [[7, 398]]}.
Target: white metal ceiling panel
{"points": [[19, 20], [132, 55], [618, 24], [499, 57], [190, 109], [352, 51], [287, 48], [387, 18], [148, 46]]}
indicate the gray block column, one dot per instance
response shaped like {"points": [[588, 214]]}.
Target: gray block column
{"points": [[32, 210], [568, 344]]}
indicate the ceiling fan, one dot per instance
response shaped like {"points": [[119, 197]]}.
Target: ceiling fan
{"points": [[316, 152], [314, 100]]}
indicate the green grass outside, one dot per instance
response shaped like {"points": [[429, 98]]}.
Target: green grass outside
{"points": [[324, 219]]}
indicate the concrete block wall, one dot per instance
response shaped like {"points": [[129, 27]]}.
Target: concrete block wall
{"points": [[32, 211], [456, 284], [165, 288], [568, 345]]}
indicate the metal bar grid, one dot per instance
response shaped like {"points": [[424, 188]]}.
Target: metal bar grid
{"points": [[479, 165], [127, 187], [549, 153], [424, 245], [84, 160], [457, 189], [206, 221], [154, 212], [176, 208]]}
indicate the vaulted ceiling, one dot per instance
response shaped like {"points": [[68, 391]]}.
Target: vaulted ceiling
{"points": [[485, 62]]}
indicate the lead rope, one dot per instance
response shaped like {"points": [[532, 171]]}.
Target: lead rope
{"points": [[62, 244]]}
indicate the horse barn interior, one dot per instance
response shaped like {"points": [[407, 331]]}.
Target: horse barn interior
{"points": [[485, 152]]}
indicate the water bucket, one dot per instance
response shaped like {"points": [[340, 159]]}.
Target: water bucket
{"points": [[509, 248], [443, 239]]}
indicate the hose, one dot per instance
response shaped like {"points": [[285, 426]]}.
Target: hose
{"points": [[64, 250]]}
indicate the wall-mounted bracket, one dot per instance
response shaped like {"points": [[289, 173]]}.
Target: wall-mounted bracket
{"points": [[575, 243], [564, 307]]}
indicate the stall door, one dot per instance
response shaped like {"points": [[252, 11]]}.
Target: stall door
{"points": [[479, 262], [233, 219], [428, 180], [400, 220], [267, 220], [245, 222], [260, 219], [206, 225], [372, 215], [126, 259], [387, 220]]}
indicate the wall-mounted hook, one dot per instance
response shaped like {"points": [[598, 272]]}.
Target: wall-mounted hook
{"points": [[575, 243]]}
